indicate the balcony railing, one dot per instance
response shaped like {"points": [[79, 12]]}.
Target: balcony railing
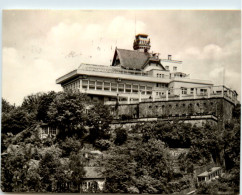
{"points": [[225, 93]]}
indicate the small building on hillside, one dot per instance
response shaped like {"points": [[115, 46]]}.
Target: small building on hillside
{"points": [[46, 131], [209, 175], [93, 180]]}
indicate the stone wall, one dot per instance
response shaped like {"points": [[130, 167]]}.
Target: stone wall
{"points": [[217, 107]]}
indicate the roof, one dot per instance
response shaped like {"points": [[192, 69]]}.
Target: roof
{"points": [[93, 172], [143, 35], [207, 173], [132, 59]]}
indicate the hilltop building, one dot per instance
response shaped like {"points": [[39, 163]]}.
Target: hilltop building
{"points": [[138, 75], [139, 85]]}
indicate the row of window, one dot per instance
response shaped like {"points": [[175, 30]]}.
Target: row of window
{"points": [[160, 75], [183, 105], [174, 68], [49, 130], [202, 91], [72, 86], [116, 87], [161, 85]]}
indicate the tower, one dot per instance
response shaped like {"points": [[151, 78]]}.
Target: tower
{"points": [[141, 43]]}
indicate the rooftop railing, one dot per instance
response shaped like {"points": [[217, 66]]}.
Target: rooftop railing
{"points": [[117, 70]]}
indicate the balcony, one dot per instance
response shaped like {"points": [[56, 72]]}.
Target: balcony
{"points": [[216, 92]]}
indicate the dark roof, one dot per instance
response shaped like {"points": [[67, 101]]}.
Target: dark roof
{"points": [[131, 59], [93, 172], [134, 60]]}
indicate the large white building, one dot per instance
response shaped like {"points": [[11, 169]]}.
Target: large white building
{"points": [[139, 75]]}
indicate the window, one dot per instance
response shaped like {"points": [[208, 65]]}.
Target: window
{"points": [[52, 131], [167, 67], [106, 86], [91, 84], [192, 90], [78, 84], [121, 87], [135, 88], [84, 84], [142, 89], [203, 91], [184, 90], [113, 87], [99, 85], [128, 88], [149, 90], [174, 68]]}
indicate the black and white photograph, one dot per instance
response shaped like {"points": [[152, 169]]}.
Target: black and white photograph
{"points": [[121, 101]]}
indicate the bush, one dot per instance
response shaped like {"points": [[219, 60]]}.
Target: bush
{"points": [[70, 144], [121, 136], [102, 144]]}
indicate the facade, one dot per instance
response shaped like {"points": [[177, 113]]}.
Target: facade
{"points": [[140, 76]]}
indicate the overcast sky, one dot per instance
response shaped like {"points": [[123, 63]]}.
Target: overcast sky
{"points": [[40, 46]]}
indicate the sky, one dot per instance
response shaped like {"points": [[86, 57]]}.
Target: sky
{"points": [[39, 46]]}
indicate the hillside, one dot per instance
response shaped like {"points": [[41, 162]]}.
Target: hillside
{"points": [[151, 157]]}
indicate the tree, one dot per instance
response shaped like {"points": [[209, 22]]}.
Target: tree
{"points": [[42, 111], [6, 106], [98, 120], [15, 121], [50, 170], [77, 170], [131, 168], [31, 103], [70, 144], [66, 112], [15, 170]]}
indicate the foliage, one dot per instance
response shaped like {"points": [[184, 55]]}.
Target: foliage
{"points": [[77, 170], [70, 144], [121, 136], [14, 170], [204, 142], [44, 103], [6, 106], [50, 171], [66, 112], [130, 168], [31, 103], [15, 121], [98, 119], [102, 144]]}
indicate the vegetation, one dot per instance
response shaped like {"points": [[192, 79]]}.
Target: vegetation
{"points": [[136, 161]]}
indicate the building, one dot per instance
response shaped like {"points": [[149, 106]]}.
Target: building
{"points": [[139, 75], [46, 131], [93, 180], [139, 85], [209, 175]]}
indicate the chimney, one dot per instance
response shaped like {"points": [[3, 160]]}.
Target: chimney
{"points": [[169, 57]]}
